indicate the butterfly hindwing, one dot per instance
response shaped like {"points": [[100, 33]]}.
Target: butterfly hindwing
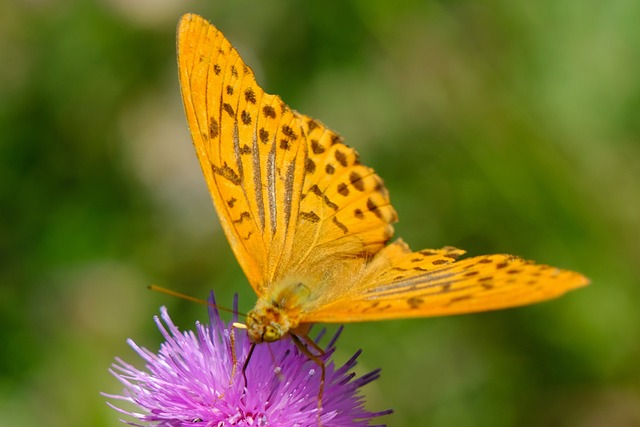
{"points": [[403, 284]]}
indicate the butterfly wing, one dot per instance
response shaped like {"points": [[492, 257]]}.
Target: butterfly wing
{"points": [[288, 192], [399, 283], [294, 201]]}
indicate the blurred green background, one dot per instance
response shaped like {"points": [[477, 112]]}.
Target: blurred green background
{"points": [[502, 126]]}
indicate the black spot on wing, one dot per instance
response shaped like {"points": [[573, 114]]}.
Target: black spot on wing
{"points": [[340, 225], [263, 134], [309, 216], [310, 165], [340, 157], [244, 215], [269, 112], [356, 181], [229, 109], [250, 96], [316, 147], [245, 117], [213, 128]]}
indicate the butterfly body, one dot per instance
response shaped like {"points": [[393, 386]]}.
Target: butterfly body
{"points": [[287, 303], [310, 224]]}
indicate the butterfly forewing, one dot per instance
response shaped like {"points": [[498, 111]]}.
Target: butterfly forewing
{"points": [[290, 195], [208, 65]]}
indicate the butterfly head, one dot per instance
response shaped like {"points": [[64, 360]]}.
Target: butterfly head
{"points": [[267, 323]]}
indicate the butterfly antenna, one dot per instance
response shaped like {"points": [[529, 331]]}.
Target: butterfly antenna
{"points": [[166, 291]]}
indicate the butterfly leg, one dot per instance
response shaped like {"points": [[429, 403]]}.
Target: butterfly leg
{"points": [[313, 344], [246, 364], [318, 361]]}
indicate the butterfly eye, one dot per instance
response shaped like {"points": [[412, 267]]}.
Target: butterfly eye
{"points": [[272, 333]]}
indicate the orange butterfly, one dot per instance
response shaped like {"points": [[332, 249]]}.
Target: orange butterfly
{"points": [[309, 224]]}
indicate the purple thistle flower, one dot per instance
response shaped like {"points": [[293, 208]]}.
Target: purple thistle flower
{"points": [[189, 383]]}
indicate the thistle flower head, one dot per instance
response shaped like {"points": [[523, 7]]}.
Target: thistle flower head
{"points": [[192, 382]]}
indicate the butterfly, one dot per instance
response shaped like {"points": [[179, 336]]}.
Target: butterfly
{"points": [[310, 224]]}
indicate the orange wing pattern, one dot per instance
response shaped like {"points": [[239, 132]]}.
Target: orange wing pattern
{"points": [[400, 284], [288, 192], [309, 223]]}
